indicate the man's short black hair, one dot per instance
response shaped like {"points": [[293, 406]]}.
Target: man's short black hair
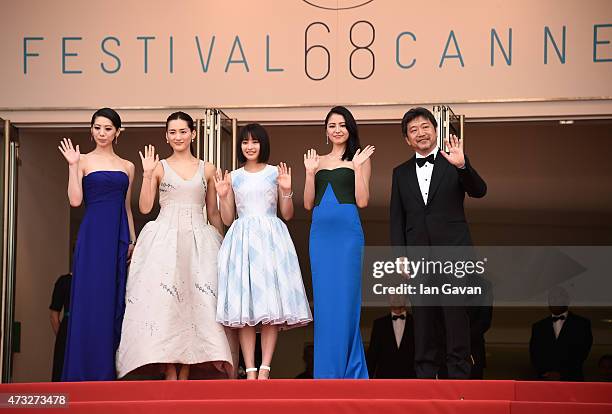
{"points": [[416, 113]]}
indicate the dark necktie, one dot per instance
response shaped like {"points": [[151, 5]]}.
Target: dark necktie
{"points": [[396, 317], [421, 161], [558, 318]]}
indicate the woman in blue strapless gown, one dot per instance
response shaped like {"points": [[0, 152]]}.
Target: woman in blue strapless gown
{"points": [[106, 235], [336, 185]]}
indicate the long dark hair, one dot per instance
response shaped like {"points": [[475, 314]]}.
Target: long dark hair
{"points": [[183, 116], [352, 144]]}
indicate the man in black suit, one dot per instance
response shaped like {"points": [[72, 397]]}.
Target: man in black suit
{"points": [[391, 350], [560, 343], [426, 209]]}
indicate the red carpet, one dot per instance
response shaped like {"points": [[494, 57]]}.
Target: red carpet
{"points": [[326, 396]]}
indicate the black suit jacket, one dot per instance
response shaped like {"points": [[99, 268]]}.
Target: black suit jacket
{"points": [[564, 354], [442, 221], [384, 358]]}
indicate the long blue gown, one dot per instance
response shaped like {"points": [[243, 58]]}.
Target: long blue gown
{"points": [[99, 277], [336, 247]]}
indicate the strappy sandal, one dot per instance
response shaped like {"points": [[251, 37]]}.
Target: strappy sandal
{"points": [[250, 370], [264, 368]]}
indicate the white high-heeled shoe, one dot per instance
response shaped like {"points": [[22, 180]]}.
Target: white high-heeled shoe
{"points": [[250, 370], [264, 368]]}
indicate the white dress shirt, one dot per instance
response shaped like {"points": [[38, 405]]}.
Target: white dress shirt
{"points": [[424, 174], [398, 327], [557, 325]]}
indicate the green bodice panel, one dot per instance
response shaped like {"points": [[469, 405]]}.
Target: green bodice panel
{"points": [[342, 181]]}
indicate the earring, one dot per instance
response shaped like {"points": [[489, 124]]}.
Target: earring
{"points": [[327, 139]]}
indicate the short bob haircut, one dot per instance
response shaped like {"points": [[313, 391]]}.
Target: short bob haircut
{"points": [[416, 113], [352, 145], [109, 114], [256, 132]]}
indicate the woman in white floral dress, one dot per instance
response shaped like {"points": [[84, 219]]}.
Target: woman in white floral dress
{"points": [[171, 296]]}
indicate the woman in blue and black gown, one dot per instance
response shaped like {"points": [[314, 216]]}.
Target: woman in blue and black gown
{"points": [[106, 237], [336, 185]]}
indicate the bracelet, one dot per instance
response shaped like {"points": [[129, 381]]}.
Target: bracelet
{"points": [[290, 195], [132, 242]]}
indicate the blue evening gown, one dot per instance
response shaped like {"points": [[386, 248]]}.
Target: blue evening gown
{"points": [[98, 282], [336, 245]]}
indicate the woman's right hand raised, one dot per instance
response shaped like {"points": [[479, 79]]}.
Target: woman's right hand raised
{"points": [[149, 160], [71, 154], [223, 183], [311, 161]]}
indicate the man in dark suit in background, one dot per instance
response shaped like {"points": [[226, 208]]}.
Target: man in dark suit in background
{"points": [[391, 350], [605, 368], [560, 343], [426, 209], [308, 358]]}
